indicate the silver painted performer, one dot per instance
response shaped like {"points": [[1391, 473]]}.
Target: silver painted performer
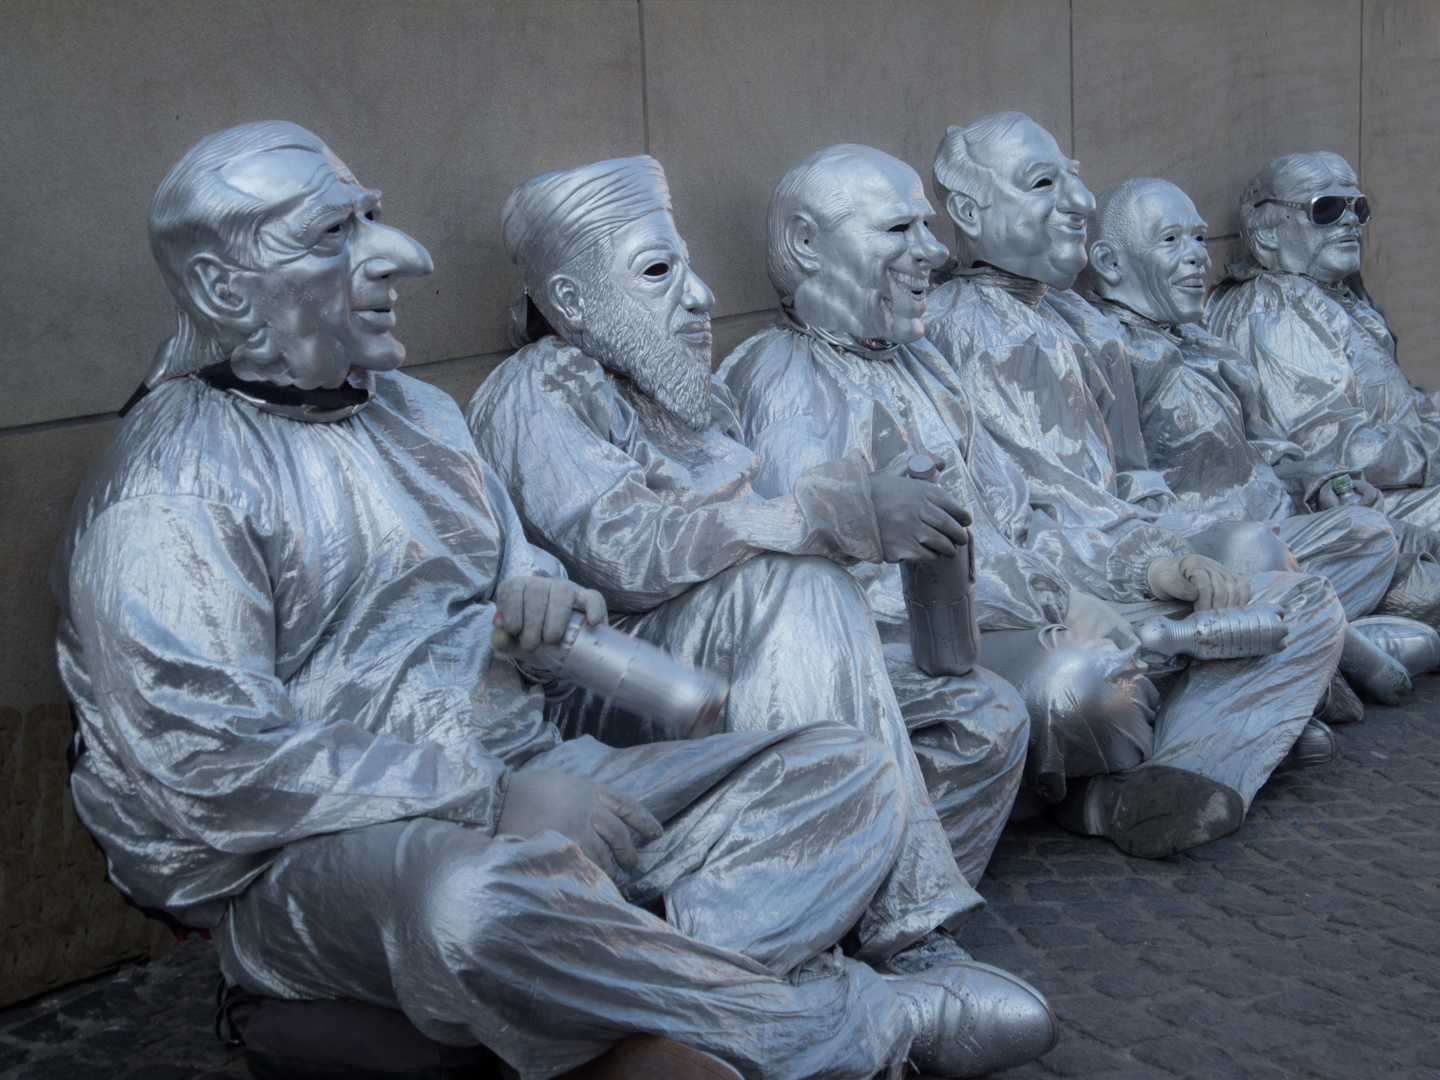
{"points": [[1201, 411], [621, 454], [1004, 323], [279, 594], [1324, 357], [845, 372]]}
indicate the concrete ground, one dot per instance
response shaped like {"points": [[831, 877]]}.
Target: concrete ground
{"points": [[1306, 945]]}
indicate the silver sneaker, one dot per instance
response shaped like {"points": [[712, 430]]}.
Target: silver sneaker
{"points": [[974, 1019]]}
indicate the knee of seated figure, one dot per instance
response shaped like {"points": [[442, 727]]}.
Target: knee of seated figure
{"points": [[1078, 687], [1247, 547]]}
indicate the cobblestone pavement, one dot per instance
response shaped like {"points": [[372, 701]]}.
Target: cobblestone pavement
{"points": [[1306, 945]]}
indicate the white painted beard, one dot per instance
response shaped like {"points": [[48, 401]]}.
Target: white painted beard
{"points": [[626, 338]]}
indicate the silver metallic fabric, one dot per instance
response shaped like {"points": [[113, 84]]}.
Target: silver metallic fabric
{"points": [[662, 520], [1203, 423], [805, 400], [1050, 402], [277, 638], [1329, 382]]}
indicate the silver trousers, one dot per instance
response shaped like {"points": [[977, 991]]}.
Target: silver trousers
{"points": [[794, 636], [1353, 547], [774, 845]]}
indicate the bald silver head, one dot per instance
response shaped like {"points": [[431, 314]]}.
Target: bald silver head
{"points": [[1147, 251], [1283, 238], [1016, 201], [848, 242], [277, 260]]}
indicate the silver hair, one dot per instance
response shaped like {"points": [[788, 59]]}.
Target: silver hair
{"points": [[195, 210], [811, 187], [1114, 218], [956, 170], [1288, 177]]}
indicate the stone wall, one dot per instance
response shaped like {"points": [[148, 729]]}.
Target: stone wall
{"points": [[448, 104]]}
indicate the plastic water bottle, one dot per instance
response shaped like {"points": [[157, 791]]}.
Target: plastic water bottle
{"points": [[940, 599], [633, 675], [1221, 634], [1344, 489]]}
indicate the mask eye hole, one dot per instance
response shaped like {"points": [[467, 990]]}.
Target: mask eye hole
{"points": [[1043, 182], [656, 270], [902, 227], [372, 215], [336, 229]]}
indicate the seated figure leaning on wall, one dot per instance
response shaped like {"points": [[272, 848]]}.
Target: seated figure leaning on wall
{"points": [[1046, 399], [279, 592], [845, 373], [1324, 357], [620, 452], [1203, 424]]}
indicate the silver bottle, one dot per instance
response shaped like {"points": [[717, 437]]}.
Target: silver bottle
{"points": [[634, 675], [1221, 634], [1345, 493], [940, 599]]}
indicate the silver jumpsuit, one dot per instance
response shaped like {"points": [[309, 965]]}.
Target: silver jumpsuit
{"points": [[805, 399], [1047, 401], [1203, 429], [276, 635], [1329, 382], [662, 520]]}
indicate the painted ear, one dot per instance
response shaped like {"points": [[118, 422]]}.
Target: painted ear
{"points": [[799, 240], [563, 292], [1105, 263], [1265, 245], [220, 292], [965, 213]]}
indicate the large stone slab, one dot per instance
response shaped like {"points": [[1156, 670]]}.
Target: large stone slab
{"points": [[1205, 94], [1400, 160], [446, 106], [739, 92]]}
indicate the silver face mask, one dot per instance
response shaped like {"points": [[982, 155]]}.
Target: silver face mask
{"points": [[864, 268], [320, 297], [638, 308], [1030, 219], [1147, 251], [1286, 236]]}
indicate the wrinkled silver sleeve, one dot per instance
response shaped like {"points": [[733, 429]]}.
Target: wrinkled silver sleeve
{"points": [[635, 503], [803, 401], [1028, 378], [1329, 379]]}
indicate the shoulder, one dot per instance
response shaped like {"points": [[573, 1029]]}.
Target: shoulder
{"points": [[774, 362], [543, 375]]}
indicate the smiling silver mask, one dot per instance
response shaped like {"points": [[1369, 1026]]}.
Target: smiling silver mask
{"points": [[1147, 251]]}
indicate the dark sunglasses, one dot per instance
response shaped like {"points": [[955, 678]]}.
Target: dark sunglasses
{"points": [[1328, 209]]}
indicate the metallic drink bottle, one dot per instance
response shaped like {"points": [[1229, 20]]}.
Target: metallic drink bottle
{"points": [[1222, 634], [1344, 489], [634, 675], [940, 598]]}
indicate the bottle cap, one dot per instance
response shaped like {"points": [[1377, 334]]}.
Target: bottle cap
{"points": [[922, 467], [1341, 484]]}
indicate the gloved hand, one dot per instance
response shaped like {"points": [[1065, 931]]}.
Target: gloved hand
{"points": [[917, 519], [1198, 578], [1089, 616], [1369, 494], [597, 817], [529, 610]]}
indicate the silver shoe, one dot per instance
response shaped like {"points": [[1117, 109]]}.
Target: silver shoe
{"points": [[1152, 811], [1315, 746], [1371, 670], [975, 1019], [1414, 644]]}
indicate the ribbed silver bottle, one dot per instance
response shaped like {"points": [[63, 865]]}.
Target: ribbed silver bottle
{"points": [[1221, 634], [940, 600]]}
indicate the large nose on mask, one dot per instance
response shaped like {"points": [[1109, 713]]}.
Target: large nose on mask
{"points": [[1075, 197], [928, 250], [385, 252], [1197, 254], [697, 296]]}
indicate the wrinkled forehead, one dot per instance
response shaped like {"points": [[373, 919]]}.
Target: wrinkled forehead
{"points": [[1297, 188], [1022, 146], [652, 232], [878, 184], [290, 177], [1161, 209]]}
